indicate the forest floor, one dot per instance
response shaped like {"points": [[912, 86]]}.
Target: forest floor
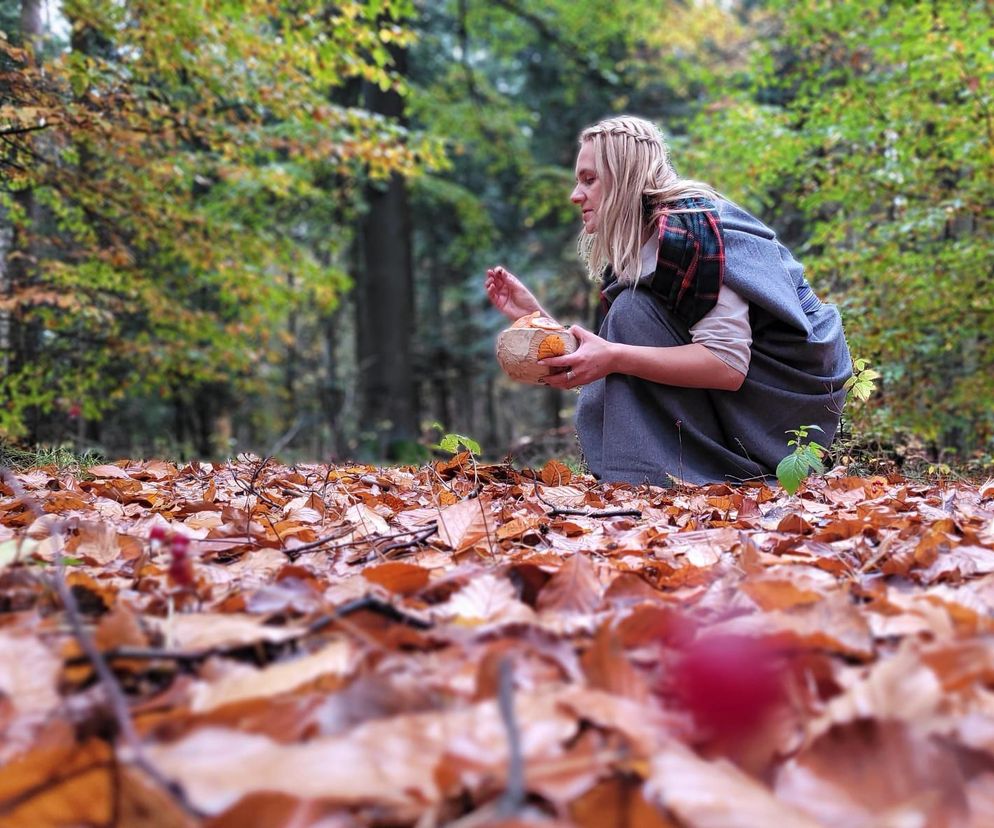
{"points": [[252, 644]]}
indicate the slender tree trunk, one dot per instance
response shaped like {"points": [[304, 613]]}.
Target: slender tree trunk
{"points": [[389, 403]]}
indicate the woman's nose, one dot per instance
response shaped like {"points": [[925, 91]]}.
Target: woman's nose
{"points": [[576, 196]]}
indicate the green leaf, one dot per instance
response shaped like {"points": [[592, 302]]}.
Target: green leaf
{"points": [[449, 443], [791, 471]]}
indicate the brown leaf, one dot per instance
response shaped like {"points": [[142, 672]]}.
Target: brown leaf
{"points": [[397, 576], [390, 762], [608, 668], [617, 802], [487, 599], [249, 682], [71, 785], [874, 773], [574, 588], [716, 794], [461, 525], [108, 471], [555, 473]]}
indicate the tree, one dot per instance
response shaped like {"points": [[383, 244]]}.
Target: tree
{"points": [[876, 122], [188, 183]]}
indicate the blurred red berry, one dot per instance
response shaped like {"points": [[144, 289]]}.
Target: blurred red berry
{"points": [[729, 683], [74, 411], [157, 533], [181, 565]]}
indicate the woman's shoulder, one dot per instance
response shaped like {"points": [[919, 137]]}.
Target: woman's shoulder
{"points": [[736, 218]]}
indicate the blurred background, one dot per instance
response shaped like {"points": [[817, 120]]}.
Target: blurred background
{"points": [[247, 226]]}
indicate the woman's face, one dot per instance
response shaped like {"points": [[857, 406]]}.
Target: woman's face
{"points": [[588, 191]]}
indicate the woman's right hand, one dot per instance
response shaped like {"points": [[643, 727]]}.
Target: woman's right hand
{"points": [[509, 295]]}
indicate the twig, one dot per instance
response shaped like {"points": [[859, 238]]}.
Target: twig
{"points": [[112, 689], [603, 514], [368, 603], [389, 549], [297, 551], [372, 604], [514, 792]]}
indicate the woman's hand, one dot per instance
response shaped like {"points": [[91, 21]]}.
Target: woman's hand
{"points": [[591, 361], [509, 295]]}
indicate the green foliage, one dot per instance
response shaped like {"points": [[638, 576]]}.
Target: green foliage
{"points": [[870, 125], [192, 185], [454, 443], [861, 384], [806, 457]]}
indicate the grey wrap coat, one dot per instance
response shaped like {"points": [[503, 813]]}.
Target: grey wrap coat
{"points": [[637, 431]]}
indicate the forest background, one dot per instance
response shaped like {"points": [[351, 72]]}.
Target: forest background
{"points": [[234, 226]]}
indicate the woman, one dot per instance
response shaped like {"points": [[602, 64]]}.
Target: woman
{"points": [[713, 344]]}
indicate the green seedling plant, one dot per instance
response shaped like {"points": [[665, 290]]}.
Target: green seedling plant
{"points": [[454, 443], [861, 384], [806, 457]]}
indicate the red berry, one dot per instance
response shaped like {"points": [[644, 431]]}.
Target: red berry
{"points": [[157, 533], [181, 566], [729, 683]]}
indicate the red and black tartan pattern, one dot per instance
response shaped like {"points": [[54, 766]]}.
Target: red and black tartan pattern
{"points": [[691, 263]]}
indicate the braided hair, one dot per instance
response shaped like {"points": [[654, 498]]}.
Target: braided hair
{"points": [[632, 161]]}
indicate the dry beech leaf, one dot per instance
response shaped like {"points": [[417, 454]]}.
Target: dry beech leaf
{"points": [[618, 803], [70, 785], [517, 527], [574, 588], [389, 761], [900, 687], [607, 667], [203, 631], [716, 794], [555, 473], [398, 576], [874, 773], [106, 470], [29, 674], [461, 525], [249, 683], [487, 599]]}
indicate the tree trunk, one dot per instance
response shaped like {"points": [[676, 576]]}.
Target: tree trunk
{"points": [[389, 405]]}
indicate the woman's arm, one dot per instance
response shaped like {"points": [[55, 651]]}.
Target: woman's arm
{"points": [[686, 366]]}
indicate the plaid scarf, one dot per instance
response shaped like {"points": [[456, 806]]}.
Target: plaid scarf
{"points": [[691, 263]]}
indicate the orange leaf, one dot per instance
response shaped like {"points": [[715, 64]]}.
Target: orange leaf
{"points": [[551, 346], [463, 524], [397, 576], [555, 473], [574, 588]]}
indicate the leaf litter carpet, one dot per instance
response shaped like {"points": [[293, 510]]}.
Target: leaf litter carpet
{"points": [[470, 645]]}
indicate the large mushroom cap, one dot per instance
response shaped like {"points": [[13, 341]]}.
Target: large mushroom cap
{"points": [[520, 347]]}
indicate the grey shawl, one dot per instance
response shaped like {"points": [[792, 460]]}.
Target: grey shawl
{"points": [[636, 431]]}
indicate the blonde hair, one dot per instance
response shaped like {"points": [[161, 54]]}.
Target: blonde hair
{"points": [[639, 184]]}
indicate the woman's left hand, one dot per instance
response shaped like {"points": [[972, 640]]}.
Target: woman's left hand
{"points": [[589, 362]]}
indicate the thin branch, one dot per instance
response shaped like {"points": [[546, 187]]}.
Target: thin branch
{"points": [[22, 130], [602, 514], [388, 551], [514, 792]]}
